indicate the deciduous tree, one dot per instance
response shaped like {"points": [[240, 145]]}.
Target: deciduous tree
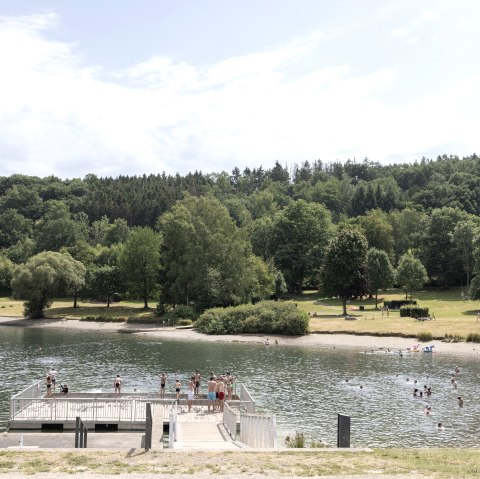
{"points": [[380, 271], [344, 271], [410, 274], [140, 263]]}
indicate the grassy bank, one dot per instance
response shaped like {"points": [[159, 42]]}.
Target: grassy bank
{"points": [[454, 317], [438, 463], [62, 308]]}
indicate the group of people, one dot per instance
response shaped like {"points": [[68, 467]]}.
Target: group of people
{"points": [[219, 388], [51, 381], [427, 392]]}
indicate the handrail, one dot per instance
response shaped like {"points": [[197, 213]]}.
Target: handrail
{"points": [[258, 430], [24, 398], [172, 428], [230, 417], [247, 397], [33, 392]]}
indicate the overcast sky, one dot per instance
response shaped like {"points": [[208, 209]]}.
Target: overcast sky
{"points": [[144, 86]]}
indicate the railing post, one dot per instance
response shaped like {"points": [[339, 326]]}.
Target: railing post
{"points": [[148, 427], [77, 430]]}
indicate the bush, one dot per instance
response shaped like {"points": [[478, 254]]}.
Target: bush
{"points": [[413, 312], [144, 320], [298, 441], [184, 322], [473, 337], [265, 317], [398, 303], [103, 319], [181, 311], [425, 336]]}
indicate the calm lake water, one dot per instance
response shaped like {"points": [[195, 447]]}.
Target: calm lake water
{"points": [[305, 387]]}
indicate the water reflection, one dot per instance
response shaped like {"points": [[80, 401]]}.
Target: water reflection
{"points": [[306, 387]]}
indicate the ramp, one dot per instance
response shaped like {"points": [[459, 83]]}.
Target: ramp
{"points": [[206, 432]]}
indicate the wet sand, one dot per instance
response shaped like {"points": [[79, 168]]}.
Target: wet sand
{"points": [[325, 340]]}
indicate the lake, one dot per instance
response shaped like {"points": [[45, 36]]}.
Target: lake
{"points": [[306, 387]]}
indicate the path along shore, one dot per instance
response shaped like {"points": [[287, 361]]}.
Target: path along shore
{"points": [[325, 340]]}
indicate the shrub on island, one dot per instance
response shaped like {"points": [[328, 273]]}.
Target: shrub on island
{"points": [[265, 317]]}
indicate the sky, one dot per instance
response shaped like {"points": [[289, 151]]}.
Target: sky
{"points": [[133, 87]]}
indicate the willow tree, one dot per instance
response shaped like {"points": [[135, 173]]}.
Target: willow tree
{"points": [[45, 276]]}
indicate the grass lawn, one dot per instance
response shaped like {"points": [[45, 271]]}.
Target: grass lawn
{"points": [[454, 316], [401, 463], [62, 308]]}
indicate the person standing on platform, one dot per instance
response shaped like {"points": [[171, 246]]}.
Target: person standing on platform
{"points": [[117, 383], [49, 386], [221, 393], [191, 392], [178, 387], [53, 376], [197, 377], [163, 381], [211, 385]]}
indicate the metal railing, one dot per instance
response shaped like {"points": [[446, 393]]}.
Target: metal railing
{"points": [[172, 427], [22, 399], [258, 430], [246, 397], [230, 418], [81, 433], [93, 409]]}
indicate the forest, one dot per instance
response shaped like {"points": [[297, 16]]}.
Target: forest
{"points": [[222, 239]]}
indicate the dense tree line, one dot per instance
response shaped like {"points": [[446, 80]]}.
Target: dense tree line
{"points": [[229, 238]]}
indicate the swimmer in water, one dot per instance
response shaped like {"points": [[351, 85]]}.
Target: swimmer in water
{"points": [[428, 410], [460, 401], [440, 426]]}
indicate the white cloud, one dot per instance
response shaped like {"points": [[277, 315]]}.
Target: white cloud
{"points": [[58, 116]]}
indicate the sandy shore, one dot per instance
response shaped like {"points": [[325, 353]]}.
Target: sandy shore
{"points": [[325, 340]]}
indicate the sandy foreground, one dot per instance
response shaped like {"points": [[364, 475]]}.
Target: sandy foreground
{"points": [[324, 340]]}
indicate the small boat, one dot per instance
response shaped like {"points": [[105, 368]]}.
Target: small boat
{"points": [[428, 349]]}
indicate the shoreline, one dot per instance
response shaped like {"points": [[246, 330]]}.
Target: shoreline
{"points": [[334, 340]]}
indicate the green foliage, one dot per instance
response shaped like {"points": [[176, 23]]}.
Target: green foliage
{"points": [[104, 319], [206, 259], [397, 304], [173, 316], [436, 253], [425, 336], [301, 234], [413, 312], [298, 441], [377, 230], [14, 227], [139, 263], [44, 276], [266, 317], [379, 270], [184, 322], [473, 337], [344, 271], [6, 274], [410, 274]]}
